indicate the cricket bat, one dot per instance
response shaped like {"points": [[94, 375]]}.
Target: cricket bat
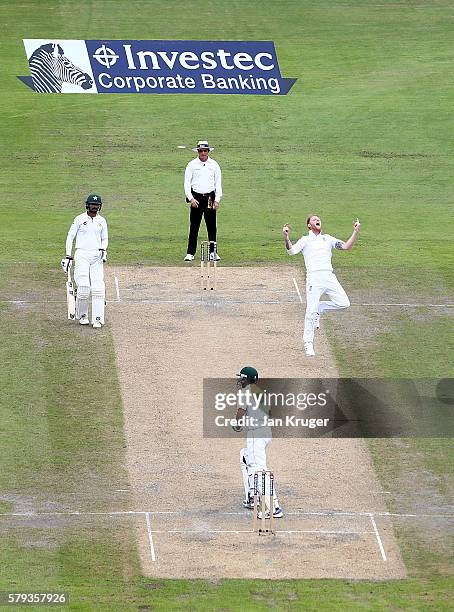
{"points": [[70, 297]]}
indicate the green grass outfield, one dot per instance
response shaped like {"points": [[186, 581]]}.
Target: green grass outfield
{"points": [[365, 132]]}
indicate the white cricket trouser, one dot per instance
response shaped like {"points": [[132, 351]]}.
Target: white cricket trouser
{"points": [[89, 277], [318, 283], [255, 458]]}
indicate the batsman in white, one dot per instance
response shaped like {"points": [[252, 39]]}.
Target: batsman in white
{"points": [[90, 231], [253, 457], [320, 278]]}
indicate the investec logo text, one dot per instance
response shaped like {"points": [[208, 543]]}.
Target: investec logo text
{"points": [[157, 66]]}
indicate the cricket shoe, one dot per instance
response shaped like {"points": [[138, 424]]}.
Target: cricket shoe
{"points": [[249, 502], [276, 514], [189, 257], [97, 324], [212, 258], [309, 349], [317, 320], [84, 320]]}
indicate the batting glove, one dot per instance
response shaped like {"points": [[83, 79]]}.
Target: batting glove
{"points": [[66, 263], [103, 254]]}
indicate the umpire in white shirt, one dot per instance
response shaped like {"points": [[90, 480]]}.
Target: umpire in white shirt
{"points": [[203, 189], [320, 278]]}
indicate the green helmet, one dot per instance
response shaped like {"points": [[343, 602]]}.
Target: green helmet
{"points": [[93, 198], [250, 373]]}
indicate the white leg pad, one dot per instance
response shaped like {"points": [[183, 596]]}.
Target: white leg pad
{"points": [[97, 305], [83, 295], [98, 292], [82, 279]]}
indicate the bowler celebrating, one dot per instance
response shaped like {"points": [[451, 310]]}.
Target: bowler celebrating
{"points": [[320, 278]]}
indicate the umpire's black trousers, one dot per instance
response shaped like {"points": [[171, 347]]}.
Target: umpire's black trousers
{"points": [[195, 219]]}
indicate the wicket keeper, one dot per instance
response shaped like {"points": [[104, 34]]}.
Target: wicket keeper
{"points": [[320, 278], [90, 231]]}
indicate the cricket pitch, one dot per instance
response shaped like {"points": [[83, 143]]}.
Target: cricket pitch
{"points": [[168, 337]]}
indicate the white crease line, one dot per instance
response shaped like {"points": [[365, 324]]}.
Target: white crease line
{"points": [[407, 515], [208, 302], [197, 301], [325, 531], [244, 513], [297, 290], [377, 535], [321, 531], [117, 288], [150, 537], [327, 513], [377, 513], [407, 305], [74, 513], [204, 531], [221, 289], [223, 301]]}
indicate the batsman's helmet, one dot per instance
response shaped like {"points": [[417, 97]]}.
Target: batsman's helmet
{"points": [[250, 373], [93, 198]]}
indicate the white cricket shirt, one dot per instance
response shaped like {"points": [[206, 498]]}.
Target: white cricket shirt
{"points": [[203, 177], [316, 249], [90, 233]]}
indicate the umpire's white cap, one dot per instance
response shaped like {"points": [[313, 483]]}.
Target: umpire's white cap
{"points": [[203, 144]]}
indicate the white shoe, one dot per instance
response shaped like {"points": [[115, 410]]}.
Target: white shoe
{"points": [[317, 320], [249, 502], [309, 349], [84, 320], [189, 257], [97, 324], [212, 257], [276, 514]]}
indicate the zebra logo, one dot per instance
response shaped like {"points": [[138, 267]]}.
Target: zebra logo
{"points": [[50, 68]]}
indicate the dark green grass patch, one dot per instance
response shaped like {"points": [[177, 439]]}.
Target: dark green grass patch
{"points": [[259, 595], [95, 565], [61, 412]]}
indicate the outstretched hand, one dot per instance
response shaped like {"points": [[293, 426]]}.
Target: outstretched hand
{"points": [[356, 225], [286, 230]]}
